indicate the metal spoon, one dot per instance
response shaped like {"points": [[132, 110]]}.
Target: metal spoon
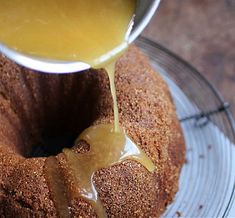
{"points": [[144, 12]]}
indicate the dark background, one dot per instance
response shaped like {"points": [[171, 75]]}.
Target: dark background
{"points": [[203, 33]]}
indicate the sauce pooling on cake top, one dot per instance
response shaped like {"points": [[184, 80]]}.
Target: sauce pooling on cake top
{"points": [[94, 32], [109, 145], [107, 148]]}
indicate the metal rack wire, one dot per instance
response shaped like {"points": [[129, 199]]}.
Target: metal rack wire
{"points": [[192, 82], [207, 180], [202, 118]]}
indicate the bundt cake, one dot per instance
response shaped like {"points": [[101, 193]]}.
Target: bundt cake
{"points": [[40, 114]]}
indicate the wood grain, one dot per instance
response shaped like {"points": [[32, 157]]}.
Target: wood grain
{"points": [[203, 33]]}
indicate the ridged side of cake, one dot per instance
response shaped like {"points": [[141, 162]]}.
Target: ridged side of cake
{"points": [[31, 103]]}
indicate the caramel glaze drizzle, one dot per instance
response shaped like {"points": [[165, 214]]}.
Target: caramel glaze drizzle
{"points": [[109, 145], [57, 186], [107, 148]]}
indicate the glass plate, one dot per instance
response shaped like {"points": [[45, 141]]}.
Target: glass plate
{"points": [[206, 187]]}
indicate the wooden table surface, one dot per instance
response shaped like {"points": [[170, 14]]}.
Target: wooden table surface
{"points": [[203, 33]]}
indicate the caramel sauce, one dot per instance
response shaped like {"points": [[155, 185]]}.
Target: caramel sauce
{"points": [[94, 32], [109, 145], [107, 148], [57, 186], [110, 69], [91, 31]]}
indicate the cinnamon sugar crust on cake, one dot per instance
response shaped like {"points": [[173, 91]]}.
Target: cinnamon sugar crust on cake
{"points": [[32, 104]]}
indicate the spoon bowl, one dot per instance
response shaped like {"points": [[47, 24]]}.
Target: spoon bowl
{"points": [[143, 13]]}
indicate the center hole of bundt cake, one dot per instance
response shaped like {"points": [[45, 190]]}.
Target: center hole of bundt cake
{"points": [[53, 142], [69, 104]]}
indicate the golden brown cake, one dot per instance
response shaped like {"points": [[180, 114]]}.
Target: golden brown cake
{"points": [[34, 105]]}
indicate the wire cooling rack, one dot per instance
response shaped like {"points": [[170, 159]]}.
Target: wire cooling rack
{"points": [[207, 179]]}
